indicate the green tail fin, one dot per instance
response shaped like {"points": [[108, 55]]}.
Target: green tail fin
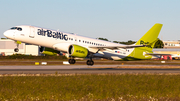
{"points": [[151, 36], [148, 39]]}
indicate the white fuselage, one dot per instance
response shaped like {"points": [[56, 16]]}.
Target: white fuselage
{"points": [[61, 41]]}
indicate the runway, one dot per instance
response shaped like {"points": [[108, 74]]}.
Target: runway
{"points": [[96, 69]]}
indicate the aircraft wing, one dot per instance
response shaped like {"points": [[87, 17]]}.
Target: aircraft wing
{"points": [[116, 47], [154, 54]]}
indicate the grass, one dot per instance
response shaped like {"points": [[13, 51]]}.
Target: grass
{"points": [[91, 87]]}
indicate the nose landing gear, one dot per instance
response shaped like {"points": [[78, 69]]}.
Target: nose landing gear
{"points": [[17, 49]]}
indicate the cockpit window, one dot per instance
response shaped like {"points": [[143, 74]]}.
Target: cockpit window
{"points": [[17, 28], [14, 28]]}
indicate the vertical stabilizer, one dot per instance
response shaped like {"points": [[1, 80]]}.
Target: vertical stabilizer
{"points": [[151, 36], [148, 39]]}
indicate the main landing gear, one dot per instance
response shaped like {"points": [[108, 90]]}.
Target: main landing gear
{"points": [[72, 61], [90, 62]]}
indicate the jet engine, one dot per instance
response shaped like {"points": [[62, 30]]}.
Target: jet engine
{"points": [[78, 51], [48, 51]]}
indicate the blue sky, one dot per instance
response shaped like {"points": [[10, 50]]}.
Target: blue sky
{"points": [[116, 20]]}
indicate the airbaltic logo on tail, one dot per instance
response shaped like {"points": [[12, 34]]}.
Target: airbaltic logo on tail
{"points": [[145, 43], [53, 34]]}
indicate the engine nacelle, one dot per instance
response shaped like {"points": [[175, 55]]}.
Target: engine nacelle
{"points": [[48, 51], [78, 51]]}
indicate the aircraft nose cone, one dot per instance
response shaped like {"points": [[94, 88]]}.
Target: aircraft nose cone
{"points": [[8, 34], [5, 33]]}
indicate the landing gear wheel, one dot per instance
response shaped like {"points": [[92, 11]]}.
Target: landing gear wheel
{"points": [[90, 62], [16, 50], [72, 61]]}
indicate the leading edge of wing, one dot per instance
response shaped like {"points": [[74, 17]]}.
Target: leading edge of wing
{"points": [[116, 47]]}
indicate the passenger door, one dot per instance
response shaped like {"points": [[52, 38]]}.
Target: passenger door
{"points": [[32, 32]]}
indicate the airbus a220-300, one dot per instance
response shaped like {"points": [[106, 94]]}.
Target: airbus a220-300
{"points": [[82, 47]]}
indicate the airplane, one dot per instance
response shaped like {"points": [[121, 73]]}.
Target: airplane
{"points": [[82, 47]]}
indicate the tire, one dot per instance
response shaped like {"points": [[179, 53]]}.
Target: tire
{"points": [[16, 50], [72, 61], [90, 62]]}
